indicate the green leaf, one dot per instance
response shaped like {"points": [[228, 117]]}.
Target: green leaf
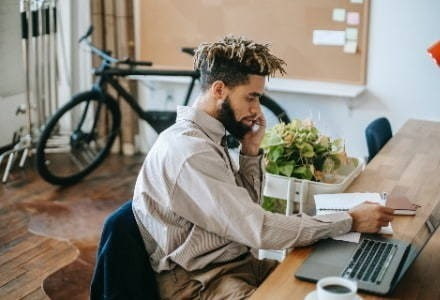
{"points": [[300, 171], [275, 153], [287, 169], [307, 150], [272, 168], [271, 139], [310, 172]]}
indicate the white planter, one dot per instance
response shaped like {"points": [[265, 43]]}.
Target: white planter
{"points": [[299, 194]]}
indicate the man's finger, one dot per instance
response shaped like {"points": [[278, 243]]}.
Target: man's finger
{"points": [[387, 210]]}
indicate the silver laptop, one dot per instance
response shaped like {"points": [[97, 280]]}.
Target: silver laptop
{"points": [[376, 263]]}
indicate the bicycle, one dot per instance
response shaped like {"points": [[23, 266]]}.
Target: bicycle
{"points": [[79, 136]]}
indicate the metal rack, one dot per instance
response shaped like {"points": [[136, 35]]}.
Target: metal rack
{"points": [[39, 44]]}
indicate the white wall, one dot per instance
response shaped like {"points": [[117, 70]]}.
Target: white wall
{"points": [[12, 74], [402, 81], [74, 63]]}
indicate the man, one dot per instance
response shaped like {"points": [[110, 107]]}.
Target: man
{"points": [[198, 213]]}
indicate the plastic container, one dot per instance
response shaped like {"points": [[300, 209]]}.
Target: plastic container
{"points": [[299, 193]]}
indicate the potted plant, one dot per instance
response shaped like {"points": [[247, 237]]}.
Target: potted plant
{"points": [[301, 162], [314, 162]]}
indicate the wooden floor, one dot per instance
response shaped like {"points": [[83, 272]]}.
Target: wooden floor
{"points": [[26, 259]]}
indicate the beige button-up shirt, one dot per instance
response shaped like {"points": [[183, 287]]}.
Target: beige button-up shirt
{"points": [[194, 207]]}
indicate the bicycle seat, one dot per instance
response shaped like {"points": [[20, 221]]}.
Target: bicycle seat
{"points": [[189, 50]]}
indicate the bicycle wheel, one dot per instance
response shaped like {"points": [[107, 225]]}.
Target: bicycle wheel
{"points": [[77, 138], [273, 112]]}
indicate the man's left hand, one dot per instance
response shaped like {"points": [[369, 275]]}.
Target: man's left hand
{"points": [[250, 144]]}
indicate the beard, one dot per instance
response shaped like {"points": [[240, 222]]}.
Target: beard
{"points": [[226, 116]]}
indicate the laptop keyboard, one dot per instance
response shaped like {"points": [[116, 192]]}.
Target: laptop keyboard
{"points": [[370, 261]]}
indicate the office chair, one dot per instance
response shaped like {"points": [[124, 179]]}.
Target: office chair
{"points": [[122, 269], [377, 134]]}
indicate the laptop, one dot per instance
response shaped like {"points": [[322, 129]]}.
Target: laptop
{"points": [[376, 263]]}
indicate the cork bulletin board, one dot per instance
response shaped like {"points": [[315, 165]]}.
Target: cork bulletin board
{"points": [[163, 27]]}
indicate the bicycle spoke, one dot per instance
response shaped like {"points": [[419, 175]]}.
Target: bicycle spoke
{"points": [[83, 117], [89, 152], [76, 161]]}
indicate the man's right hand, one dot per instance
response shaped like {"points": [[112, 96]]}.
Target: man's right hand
{"points": [[369, 217]]}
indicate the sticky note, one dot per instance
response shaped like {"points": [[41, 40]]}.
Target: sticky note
{"points": [[329, 37], [339, 15], [351, 33], [353, 18], [350, 47], [357, 1]]}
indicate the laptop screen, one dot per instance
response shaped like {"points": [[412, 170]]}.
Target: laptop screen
{"points": [[426, 231], [421, 239]]}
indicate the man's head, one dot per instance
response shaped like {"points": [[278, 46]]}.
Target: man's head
{"points": [[232, 74]]}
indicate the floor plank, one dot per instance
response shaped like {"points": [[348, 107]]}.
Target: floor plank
{"points": [[26, 258]]}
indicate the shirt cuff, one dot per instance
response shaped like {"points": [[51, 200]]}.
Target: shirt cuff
{"points": [[251, 164], [342, 222]]}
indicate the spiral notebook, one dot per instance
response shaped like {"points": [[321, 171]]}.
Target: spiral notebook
{"points": [[331, 203]]}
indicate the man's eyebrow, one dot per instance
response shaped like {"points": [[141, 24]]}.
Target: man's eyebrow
{"points": [[255, 94]]}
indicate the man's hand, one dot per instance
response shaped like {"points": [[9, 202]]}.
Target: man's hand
{"points": [[369, 217], [250, 144]]}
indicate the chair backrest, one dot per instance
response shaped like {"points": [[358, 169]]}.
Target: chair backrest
{"points": [[122, 269], [377, 134]]}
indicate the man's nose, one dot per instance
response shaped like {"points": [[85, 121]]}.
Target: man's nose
{"points": [[256, 108]]}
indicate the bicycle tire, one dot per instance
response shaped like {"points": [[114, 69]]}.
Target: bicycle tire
{"points": [[47, 157], [275, 108]]}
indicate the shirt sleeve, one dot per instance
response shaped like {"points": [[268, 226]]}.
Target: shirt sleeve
{"points": [[205, 193], [251, 175]]}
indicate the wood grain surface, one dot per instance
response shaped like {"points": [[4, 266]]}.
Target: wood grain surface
{"points": [[409, 164]]}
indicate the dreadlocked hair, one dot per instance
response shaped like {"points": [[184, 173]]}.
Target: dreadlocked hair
{"points": [[232, 59]]}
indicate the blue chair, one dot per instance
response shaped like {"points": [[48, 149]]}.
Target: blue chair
{"points": [[377, 134], [122, 269]]}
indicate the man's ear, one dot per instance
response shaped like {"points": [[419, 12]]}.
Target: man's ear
{"points": [[219, 90]]}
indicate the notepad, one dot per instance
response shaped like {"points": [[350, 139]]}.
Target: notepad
{"points": [[331, 203], [401, 205]]}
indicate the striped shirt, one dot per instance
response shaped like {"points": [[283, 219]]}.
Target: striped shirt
{"points": [[195, 207]]}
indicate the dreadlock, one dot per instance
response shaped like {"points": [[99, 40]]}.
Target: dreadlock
{"points": [[232, 59]]}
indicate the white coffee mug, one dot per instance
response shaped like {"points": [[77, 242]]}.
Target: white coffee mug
{"points": [[336, 288]]}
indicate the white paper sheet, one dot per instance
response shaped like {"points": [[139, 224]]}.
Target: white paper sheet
{"points": [[353, 237], [338, 15], [329, 37], [331, 203], [345, 200], [351, 33], [353, 18], [350, 47]]}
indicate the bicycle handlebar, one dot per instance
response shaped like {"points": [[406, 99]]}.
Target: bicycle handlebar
{"points": [[151, 72], [106, 56], [130, 62]]}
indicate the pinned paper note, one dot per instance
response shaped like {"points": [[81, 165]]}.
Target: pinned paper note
{"points": [[353, 18], [339, 15], [357, 1], [350, 47], [329, 37], [351, 34]]}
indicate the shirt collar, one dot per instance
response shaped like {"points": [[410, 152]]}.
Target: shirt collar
{"points": [[208, 124]]}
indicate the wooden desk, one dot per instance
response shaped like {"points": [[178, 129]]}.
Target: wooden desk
{"points": [[409, 164]]}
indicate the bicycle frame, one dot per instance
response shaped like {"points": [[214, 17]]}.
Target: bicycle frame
{"points": [[107, 76]]}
